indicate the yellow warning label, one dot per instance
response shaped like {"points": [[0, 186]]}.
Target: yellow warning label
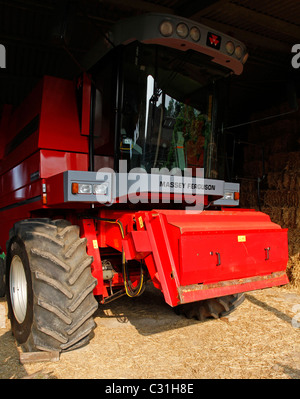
{"points": [[241, 238], [140, 219], [95, 244]]}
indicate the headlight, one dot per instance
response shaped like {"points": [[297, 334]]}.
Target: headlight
{"points": [[238, 52], [230, 48], [182, 30], [84, 188], [229, 196], [166, 28], [195, 34], [100, 188]]}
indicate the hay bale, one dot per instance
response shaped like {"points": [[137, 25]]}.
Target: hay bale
{"points": [[272, 198], [289, 180], [289, 217], [253, 169], [284, 199], [293, 162], [275, 213], [293, 270], [277, 162], [298, 217], [274, 180]]}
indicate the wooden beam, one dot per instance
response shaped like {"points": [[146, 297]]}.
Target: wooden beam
{"points": [[36, 43], [264, 20], [27, 5], [196, 7], [140, 5], [220, 4]]}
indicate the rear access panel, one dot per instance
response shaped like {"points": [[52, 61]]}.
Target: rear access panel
{"points": [[213, 256]]}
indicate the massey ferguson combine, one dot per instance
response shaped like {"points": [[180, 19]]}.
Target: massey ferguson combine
{"points": [[116, 179]]}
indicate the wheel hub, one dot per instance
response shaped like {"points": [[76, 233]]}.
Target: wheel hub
{"points": [[18, 289]]}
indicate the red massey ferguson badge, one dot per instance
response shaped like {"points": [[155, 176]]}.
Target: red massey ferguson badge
{"points": [[213, 40]]}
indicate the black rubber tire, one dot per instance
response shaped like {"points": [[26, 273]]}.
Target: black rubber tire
{"points": [[210, 308], [2, 277], [60, 300]]}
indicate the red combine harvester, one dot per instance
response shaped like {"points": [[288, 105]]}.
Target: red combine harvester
{"points": [[103, 189]]}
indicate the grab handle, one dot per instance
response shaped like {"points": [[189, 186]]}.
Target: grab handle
{"points": [[267, 253], [219, 258]]}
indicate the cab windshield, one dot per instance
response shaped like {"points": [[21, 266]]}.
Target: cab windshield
{"points": [[168, 117]]}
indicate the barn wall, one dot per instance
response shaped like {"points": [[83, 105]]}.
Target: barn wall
{"points": [[280, 189]]}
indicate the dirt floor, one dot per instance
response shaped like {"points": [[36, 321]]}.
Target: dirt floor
{"points": [[143, 338]]}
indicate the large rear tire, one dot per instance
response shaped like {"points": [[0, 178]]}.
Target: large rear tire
{"points": [[49, 286], [210, 308]]}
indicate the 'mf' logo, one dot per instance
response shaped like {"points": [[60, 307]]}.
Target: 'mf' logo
{"points": [[213, 41], [2, 56]]}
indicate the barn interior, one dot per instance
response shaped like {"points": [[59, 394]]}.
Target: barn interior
{"points": [[262, 126]]}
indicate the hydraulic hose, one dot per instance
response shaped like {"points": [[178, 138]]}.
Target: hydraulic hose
{"points": [[129, 289]]}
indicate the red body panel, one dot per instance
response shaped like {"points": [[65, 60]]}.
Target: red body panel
{"points": [[192, 293], [88, 228], [213, 247], [195, 256], [35, 144], [55, 162], [189, 255], [206, 258], [217, 246], [59, 121]]}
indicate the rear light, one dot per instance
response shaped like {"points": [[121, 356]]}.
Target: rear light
{"points": [[236, 196], [44, 195]]}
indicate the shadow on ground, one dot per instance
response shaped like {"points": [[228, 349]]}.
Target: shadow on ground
{"points": [[149, 313], [269, 308]]}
